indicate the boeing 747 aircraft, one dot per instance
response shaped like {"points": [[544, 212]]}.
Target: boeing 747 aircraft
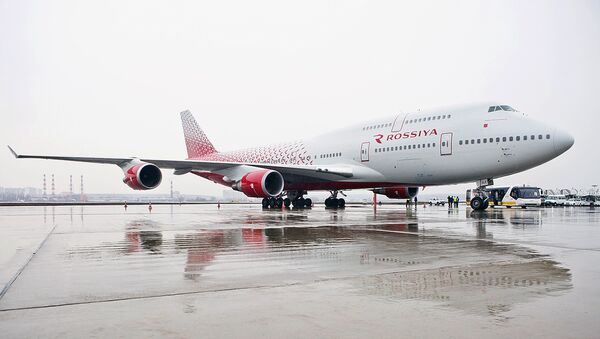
{"points": [[393, 156]]}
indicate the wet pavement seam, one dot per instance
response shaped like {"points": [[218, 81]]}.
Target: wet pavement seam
{"points": [[243, 288], [18, 273]]}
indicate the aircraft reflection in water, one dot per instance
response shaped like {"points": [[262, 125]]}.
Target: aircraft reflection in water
{"points": [[381, 258]]}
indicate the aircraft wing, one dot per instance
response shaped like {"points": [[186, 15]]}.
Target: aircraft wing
{"points": [[325, 172]]}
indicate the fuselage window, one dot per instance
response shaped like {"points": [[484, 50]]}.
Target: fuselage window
{"points": [[518, 138], [540, 137], [443, 143], [466, 142], [404, 146], [429, 145], [419, 146], [491, 139], [524, 138], [547, 136], [485, 140], [532, 137], [472, 141], [449, 116], [428, 118], [434, 144], [497, 139], [503, 139], [444, 116], [460, 142], [479, 141], [423, 145], [491, 109], [510, 139]]}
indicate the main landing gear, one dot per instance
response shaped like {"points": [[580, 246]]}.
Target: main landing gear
{"points": [[294, 199], [334, 202]]}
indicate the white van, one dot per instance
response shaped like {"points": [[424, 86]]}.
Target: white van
{"points": [[555, 200]]}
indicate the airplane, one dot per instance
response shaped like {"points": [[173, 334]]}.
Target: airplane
{"points": [[393, 156]]}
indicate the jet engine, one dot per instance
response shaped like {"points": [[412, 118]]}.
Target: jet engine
{"points": [[401, 192], [142, 176], [260, 184]]}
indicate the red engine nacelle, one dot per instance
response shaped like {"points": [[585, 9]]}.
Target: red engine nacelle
{"points": [[400, 192], [142, 176], [260, 184]]}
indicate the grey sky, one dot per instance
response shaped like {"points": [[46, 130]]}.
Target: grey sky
{"points": [[108, 78]]}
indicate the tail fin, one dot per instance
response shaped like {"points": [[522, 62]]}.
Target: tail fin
{"points": [[195, 140]]}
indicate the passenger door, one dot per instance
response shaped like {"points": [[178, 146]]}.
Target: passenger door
{"points": [[364, 151], [446, 144]]}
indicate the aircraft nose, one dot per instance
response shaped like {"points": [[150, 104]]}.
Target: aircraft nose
{"points": [[562, 141]]}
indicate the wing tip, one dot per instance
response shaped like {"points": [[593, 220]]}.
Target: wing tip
{"points": [[12, 151]]}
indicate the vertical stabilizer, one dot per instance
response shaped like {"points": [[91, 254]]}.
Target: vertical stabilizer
{"points": [[195, 140]]}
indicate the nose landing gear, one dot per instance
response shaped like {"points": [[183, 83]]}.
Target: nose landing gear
{"points": [[480, 200], [479, 203]]}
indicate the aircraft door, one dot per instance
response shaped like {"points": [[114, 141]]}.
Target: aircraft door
{"points": [[399, 122], [446, 144], [364, 151]]}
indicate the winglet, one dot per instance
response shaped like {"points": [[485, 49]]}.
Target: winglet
{"points": [[12, 151]]}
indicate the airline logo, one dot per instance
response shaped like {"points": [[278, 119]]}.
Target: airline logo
{"points": [[379, 138]]}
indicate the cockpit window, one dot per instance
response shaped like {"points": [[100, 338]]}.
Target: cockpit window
{"points": [[501, 108]]}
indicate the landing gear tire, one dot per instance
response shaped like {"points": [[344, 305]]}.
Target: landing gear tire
{"points": [[477, 204], [307, 203], [341, 203], [300, 202], [287, 202], [265, 203], [272, 202], [486, 204], [330, 202], [279, 202]]}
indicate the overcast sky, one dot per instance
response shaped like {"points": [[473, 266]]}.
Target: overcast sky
{"points": [[109, 78]]}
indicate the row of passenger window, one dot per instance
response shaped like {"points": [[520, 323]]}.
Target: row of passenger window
{"points": [[404, 147], [504, 139], [377, 126], [437, 117], [330, 155]]}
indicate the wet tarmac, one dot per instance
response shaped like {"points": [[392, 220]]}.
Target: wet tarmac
{"points": [[239, 271]]}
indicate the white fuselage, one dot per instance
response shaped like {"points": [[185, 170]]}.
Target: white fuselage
{"points": [[444, 146]]}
